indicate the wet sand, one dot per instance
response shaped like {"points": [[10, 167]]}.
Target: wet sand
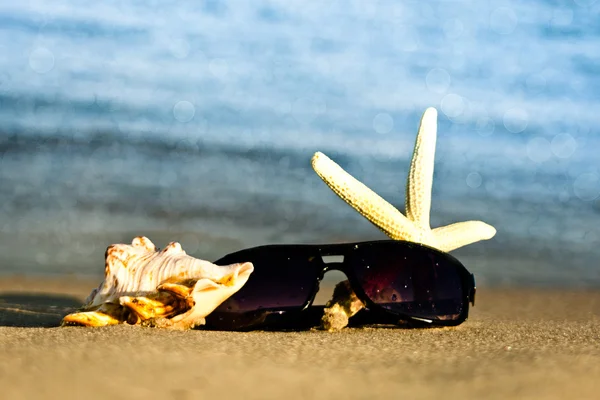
{"points": [[518, 343]]}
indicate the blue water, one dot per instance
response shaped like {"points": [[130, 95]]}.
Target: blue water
{"points": [[196, 121]]}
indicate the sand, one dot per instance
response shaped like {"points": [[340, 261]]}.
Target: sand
{"points": [[518, 343]]}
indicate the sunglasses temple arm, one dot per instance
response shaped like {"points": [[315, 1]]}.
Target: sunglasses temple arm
{"points": [[473, 291]]}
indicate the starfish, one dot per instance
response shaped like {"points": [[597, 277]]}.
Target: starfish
{"points": [[415, 225]]}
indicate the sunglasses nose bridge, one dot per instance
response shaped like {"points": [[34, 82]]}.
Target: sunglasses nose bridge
{"points": [[334, 266]]}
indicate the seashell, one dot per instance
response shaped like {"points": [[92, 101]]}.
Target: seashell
{"points": [[167, 288]]}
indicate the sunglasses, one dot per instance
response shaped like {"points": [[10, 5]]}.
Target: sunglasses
{"points": [[399, 282]]}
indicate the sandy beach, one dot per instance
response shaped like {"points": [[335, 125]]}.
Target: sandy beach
{"points": [[518, 343]]}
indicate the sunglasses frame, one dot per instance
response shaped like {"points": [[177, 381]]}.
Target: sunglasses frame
{"points": [[301, 317]]}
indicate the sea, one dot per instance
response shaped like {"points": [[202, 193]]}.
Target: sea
{"points": [[196, 121]]}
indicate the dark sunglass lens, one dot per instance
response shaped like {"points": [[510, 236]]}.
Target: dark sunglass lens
{"points": [[410, 280], [283, 278]]}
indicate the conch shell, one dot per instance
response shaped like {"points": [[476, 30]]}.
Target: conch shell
{"points": [[165, 288]]}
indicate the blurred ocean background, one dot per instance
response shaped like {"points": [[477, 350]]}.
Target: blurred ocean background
{"points": [[196, 121]]}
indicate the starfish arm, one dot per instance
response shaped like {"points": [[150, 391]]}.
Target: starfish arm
{"points": [[451, 237], [369, 204], [420, 176]]}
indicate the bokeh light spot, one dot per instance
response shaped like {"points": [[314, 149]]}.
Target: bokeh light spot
{"points": [[184, 111], [535, 83], [219, 67], [516, 120], [562, 16], [284, 107], [189, 242], [485, 126], [587, 186], [179, 47], [474, 180], [453, 105], [538, 149], [453, 28], [41, 60], [563, 145], [383, 123], [503, 20]]}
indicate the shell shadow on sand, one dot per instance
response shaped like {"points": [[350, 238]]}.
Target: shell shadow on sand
{"points": [[35, 310]]}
